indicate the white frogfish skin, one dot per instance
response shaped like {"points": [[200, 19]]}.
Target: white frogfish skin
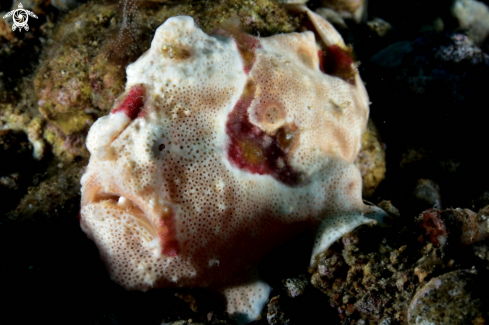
{"points": [[222, 148]]}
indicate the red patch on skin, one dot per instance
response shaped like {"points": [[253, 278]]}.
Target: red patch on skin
{"points": [[250, 148], [133, 103], [321, 61], [245, 136], [333, 60], [337, 62], [166, 232], [171, 248]]}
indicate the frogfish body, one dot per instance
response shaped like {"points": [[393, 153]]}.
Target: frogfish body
{"points": [[222, 148]]}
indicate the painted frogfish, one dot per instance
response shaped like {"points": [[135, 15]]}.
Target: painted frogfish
{"points": [[222, 148]]}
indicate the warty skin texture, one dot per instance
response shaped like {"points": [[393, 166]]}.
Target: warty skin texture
{"points": [[222, 148]]}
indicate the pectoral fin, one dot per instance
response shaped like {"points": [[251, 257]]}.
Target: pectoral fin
{"points": [[335, 226], [346, 210]]}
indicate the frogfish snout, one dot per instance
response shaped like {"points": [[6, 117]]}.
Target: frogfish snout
{"points": [[128, 226]]}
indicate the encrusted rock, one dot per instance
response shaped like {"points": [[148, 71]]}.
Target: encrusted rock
{"points": [[452, 298], [373, 273], [10, 181], [435, 228], [428, 192], [275, 314], [473, 16], [462, 48], [366, 279], [295, 286], [380, 26], [457, 225], [351, 9], [371, 160]]}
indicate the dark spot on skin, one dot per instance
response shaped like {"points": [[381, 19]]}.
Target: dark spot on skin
{"points": [[286, 136], [175, 51]]}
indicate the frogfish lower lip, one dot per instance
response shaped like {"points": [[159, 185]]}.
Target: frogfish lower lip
{"points": [[116, 201], [154, 226], [99, 205]]}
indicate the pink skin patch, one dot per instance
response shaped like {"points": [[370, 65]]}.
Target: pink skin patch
{"points": [[133, 103], [253, 150], [166, 232], [337, 62]]}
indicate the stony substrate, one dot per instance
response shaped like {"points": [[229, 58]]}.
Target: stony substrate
{"points": [[410, 272], [422, 71]]}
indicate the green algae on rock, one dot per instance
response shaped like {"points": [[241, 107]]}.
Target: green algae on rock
{"points": [[61, 82]]}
